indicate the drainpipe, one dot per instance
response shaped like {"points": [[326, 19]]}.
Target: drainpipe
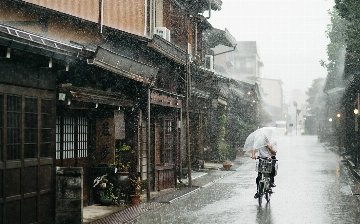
{"points": [[226, 51], [101, 15], [209, 10], [196, 37], [148, 147], [145, 18], [188, 80]]}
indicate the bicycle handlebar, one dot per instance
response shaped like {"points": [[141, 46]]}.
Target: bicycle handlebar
{"points": [[269, 158]]}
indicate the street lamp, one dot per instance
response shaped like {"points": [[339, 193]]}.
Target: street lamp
{"points": [[356, 112], [297, 114], [338, 129]]}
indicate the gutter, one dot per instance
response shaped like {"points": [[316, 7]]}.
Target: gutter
{"points": [[226, 51]]}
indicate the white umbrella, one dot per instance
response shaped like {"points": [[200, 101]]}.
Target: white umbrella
{"points": [[261, 137]]}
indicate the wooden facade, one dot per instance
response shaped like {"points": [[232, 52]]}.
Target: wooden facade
{"points": [[97, 81], [27, 118]]}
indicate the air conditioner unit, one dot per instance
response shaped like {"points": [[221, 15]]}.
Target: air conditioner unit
{"points": [[209, 62], [163, 32]]}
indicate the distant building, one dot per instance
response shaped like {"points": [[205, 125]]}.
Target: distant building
{"points": [[298, 96], [273, 98], [241, 63]]}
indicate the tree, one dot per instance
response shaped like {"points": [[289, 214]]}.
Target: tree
{"points": [[316, 98], [316, 103], [335, 50], [349, 11]]}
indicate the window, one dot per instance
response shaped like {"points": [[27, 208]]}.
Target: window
{"points": [[249, 66], [245, 65], [47, 125], [24, 134], [31, 126], [168, 149], [13, 127], [71, 137], [83, 137]]}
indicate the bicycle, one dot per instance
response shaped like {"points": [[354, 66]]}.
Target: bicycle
{"points": [[265, 166]]}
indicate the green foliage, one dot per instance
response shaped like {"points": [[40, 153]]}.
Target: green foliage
{"points": [[336, 32], [223, 149], [349, 10], [222, 146], [137, 184], [123, 157], [316, 99], [107, 190]]}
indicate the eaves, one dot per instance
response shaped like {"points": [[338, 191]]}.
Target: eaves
{"points": [[89, 95], [124, 66], [18, 39], [168, 49]]}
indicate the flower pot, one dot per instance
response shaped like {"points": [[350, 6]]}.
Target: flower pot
{"points": [[135, 199], [227, 166], [122, 180], [105, 201]]}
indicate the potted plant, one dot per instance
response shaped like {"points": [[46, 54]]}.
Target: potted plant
{"points": [[227, 164], [105, 191], [135, 198], [124, 155]]}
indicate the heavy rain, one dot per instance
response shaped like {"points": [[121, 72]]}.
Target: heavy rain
{"points": [[178, 111]]}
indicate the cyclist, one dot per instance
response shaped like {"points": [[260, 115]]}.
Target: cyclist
{"points": [[266, 151]]}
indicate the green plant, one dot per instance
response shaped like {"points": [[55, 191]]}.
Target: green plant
{"points": [[222, 146], [108, 193], [106, 190], [137, 185], [123, 157]]}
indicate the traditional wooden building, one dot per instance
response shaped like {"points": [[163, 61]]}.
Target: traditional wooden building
{"points": [[27, 120], [78, 77]]}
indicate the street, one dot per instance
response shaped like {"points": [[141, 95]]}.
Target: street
{"points": [[313, 186]]}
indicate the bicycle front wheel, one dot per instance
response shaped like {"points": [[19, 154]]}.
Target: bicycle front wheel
{"points": [[267, 196], [260, 192]]}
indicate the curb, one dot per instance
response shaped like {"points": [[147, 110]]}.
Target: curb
{"points": [[130, 214], [184, 195], [352, 167], [221, 177]]}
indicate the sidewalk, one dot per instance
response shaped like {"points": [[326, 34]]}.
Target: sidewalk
{"points": [[355, 171], [96, 214]]}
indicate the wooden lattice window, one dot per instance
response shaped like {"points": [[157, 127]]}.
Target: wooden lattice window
{"points": [[82, 137], [71, 137], [168, 148], [13, 127], [46, 127], [31, 127]]}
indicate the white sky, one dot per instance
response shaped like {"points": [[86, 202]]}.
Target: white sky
{"points": [[290, 35]]}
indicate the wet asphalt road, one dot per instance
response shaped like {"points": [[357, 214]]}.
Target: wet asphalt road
{"points": [[313, 186]]}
